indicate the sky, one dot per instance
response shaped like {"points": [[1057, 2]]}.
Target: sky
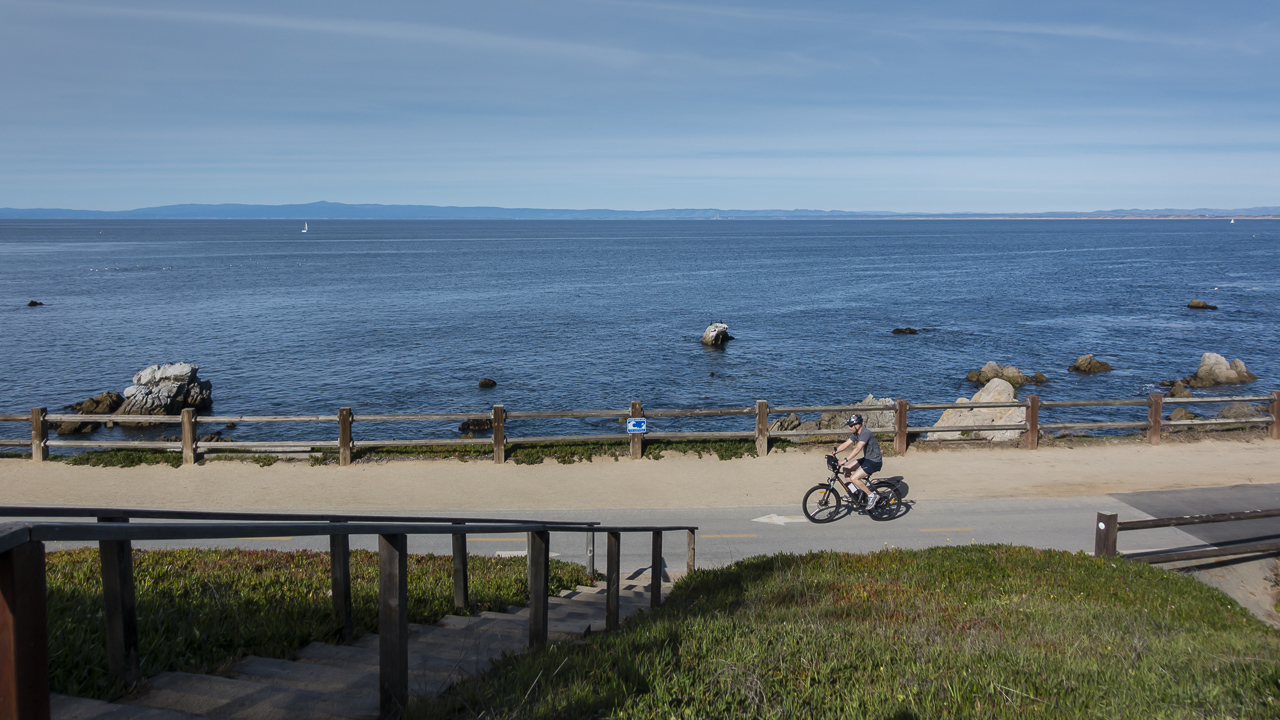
{"points": [[986, 106]]}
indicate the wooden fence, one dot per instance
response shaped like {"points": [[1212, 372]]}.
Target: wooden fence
{"points": [[1031, 427], [1104, 543]]}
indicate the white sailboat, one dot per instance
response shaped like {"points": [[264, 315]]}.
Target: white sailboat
{"points": [[304, 226], [1233, 221]]}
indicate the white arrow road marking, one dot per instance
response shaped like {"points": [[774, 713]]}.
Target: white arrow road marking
{"points": [[520, 553], [776, 519]]}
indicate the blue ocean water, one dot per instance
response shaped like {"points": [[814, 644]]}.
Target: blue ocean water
{"points": [[407, 316]]}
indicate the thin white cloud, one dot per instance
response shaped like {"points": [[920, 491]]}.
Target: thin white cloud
{"points": [[374, 29], [1089, 32]]}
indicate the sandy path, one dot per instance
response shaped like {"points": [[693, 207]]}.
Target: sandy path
{"points": [[675, 481]]}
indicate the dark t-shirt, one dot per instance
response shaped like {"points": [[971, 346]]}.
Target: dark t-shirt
{"points": [[872, 451]]}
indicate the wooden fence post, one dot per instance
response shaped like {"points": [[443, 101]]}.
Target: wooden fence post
{"points": [[611, 575], [1031, 440], [39, 435], [340, 583], [1155, 415], [637, 439], [762, 428], [1275, 414], [655, 571], [344, 436], [591, 555], [900, 426], [461, 594], [499, 434], [120, 608], [1104, 538], [691, 557], [539, 568], [188, 436], [393, 626], [24, 634]]}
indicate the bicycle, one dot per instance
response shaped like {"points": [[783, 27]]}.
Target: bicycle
{"points": [[826, 502]]}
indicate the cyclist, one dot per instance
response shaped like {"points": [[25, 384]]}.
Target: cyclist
{"points": [[856, 471]]}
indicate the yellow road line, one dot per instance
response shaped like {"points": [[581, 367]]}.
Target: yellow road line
{"points": [[945, 529], [498, 539], [726, 536]]}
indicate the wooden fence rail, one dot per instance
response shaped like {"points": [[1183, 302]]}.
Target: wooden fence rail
{"points": [[1104, 543], [1031, 427]]}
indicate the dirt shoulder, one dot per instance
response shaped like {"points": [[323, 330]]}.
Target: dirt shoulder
{"points": [[781, 478]]}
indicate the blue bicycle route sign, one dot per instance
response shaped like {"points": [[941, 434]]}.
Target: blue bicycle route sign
{"points": [[637, 425]]}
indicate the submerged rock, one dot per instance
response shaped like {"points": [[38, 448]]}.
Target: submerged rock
{"points": [[905, 331], [716, 334]]}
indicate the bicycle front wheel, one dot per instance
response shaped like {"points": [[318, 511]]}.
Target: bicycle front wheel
{"points": [[822, 504], [889, 504]]}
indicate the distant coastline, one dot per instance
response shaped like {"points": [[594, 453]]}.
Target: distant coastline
{"points": [[344, 211]]}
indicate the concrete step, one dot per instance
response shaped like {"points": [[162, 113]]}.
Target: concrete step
{"points": [[358, 680], [218, 697], [65, 707]]}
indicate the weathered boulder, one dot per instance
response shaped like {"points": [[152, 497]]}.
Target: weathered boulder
{"points": [[1201, 305], [1089, 365], [905, 331], [1010, 373], [783, 424], [166, 390], [996, 390], [488, 383], [1241, 411], [1182, 414], [104, 404], [476, 425], [1179, 390], [716, 334], [1215, 370]]}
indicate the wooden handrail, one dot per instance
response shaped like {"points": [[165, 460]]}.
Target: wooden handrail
{"points": [[1108, 526]]}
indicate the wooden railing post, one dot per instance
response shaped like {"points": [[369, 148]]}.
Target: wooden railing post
{"points": [[344, 436], [539, 568], [24, 634], [762, 428], [591, 555], [393, 626], [637, 440], [1275, 415], [188, 436], [340, 584], [1031, 440], [499, 434], [39, 435], [1104, 538], [655, 571], [461, 596], [612, 578], [1155, 415], [120, 608], [900, 426], [691, 559]]}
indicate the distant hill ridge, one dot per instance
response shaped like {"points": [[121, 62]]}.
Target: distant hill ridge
{"points": [[344, 211]]}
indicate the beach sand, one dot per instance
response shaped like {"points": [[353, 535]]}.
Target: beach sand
{"points": [[675, 481]]}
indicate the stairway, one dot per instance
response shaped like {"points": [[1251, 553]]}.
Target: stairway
{"points": [[340, 682]]}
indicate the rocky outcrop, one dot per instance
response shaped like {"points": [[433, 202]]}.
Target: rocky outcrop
{"points": [[104, 404], [1089, 365], [1241, 411], [166, 390], [1179, 390], [488, 383], [716, 334], [480, 425], [1215, 370], [34, 303], [905, 331], [996, 390], [835, 420], [1182, 414], [1201, 305], [1009, 373]]}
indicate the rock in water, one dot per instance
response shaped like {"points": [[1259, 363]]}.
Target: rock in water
{"points": [[997, 390], [1088, 364], [1215, 370], [1240, 411], [1201, 305], [34, 303], [1182, 414], [104, 404], [1179, 390], [166, 390], [905, 331], [487, 383], [716, 334], [783, 424], [993, 370], [481, 425]]}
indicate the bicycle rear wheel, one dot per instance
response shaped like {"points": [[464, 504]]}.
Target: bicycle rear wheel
{"points": [[822, 504], [890, 503]]}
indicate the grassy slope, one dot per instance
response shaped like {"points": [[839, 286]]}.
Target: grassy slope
{"points": [[200, 610], [977, 631]]}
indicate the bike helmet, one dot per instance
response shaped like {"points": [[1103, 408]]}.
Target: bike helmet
{"points": [[854, 419]]}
